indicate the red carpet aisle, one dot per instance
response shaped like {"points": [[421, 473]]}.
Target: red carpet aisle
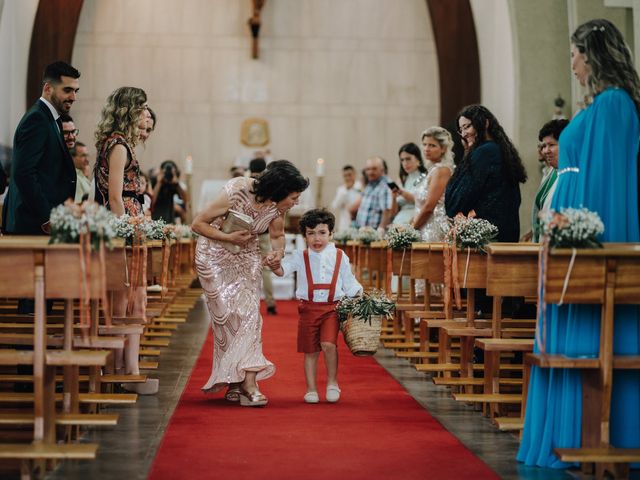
{"points": [[376, 431]]}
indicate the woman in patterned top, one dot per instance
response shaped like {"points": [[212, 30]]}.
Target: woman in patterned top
{"points": [[117, 175], [117, 171]]}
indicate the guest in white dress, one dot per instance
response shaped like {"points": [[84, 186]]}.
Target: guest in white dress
{"points": [[412, 173], [430, 216], [346, 197]]}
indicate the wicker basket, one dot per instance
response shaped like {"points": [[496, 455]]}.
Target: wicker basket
{"points": [[361, 338]]}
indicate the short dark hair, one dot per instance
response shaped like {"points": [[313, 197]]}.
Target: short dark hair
{"points": [[317, 216], [280, 179], [257, 165], [65, 117], [553, 128], [54, 72], [348, 167], [153, 117]]}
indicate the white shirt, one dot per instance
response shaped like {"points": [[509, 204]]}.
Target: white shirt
{"points": [[321, 265], [345, 197], [54, 112]]}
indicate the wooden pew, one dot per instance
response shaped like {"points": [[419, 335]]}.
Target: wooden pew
{"points": [[511, 272], [606, 276]]}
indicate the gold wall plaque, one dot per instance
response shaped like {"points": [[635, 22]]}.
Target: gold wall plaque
{"points": [[254, 132]]}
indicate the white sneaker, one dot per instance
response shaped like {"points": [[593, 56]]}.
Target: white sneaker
{"points": [[333, 393], [311, 397]]}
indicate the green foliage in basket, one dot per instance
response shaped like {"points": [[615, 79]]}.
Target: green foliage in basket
{"points": [[572, 227], [367, 235], [343, 236], [365, 306], [400, 237], [70, 220], [471, 232]]}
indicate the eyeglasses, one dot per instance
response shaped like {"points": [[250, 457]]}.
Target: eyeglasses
{"points": [[464, 128], [66, 133]]}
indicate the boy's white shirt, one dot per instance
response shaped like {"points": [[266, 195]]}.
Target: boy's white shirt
{"points": [[322, 265]]}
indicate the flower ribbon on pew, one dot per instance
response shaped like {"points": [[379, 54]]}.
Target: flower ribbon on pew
{"points": [[90, 225], [569, 228]]}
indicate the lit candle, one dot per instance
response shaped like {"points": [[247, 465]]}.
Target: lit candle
{"points": [[188, 165], [320, 167]]}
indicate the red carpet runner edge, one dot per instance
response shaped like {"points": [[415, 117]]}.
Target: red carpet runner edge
{"points": [[376, 430]]}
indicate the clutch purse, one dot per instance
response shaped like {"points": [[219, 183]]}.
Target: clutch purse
{"points": [[232, 223]]}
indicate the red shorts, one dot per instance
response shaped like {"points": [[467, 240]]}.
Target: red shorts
{"points": [[318, 323]]}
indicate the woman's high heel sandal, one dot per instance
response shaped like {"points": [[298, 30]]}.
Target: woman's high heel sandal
{"points": [[233, 393], [254, 399]]}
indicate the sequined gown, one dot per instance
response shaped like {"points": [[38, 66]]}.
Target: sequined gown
{"points": [[232, 284], [437, 225]]}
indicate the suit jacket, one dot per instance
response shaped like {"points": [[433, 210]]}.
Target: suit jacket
{"points": [[42, 173]]}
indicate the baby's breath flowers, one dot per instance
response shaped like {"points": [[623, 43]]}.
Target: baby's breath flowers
{"points": [[70, 220], [471, 232], [366, 235], [343, 236], [572, 227], [402, 236]]}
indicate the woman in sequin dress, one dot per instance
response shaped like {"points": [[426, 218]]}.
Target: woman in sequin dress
{"points": [[431, 217], [232, 281], [412, 173]]}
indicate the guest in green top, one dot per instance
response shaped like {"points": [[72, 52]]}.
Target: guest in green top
{"points": [[548, 136]]}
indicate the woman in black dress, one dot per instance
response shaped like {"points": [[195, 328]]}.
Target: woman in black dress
{"points": [[487, 180]]}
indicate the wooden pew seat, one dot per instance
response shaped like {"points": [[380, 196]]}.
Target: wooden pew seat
{"points": [[57, 451], [62, 419]]}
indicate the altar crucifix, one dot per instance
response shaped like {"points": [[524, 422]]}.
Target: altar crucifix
{"points": [[254, 25]]}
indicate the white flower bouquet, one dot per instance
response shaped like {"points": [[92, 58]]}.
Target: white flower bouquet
{"points": [[157, 229], [471, 232], [71, 220], [366, 235], [572, 228], [343, 236], [400, 237]]}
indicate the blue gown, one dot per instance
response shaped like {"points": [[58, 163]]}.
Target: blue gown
{"points": [[602, 141]]}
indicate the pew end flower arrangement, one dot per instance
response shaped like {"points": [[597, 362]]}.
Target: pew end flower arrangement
{"points": [[360, 320], [343, 236], [70, 223], [366, 235], [91, 226], [572, 228], [470, 234], [400, 237]]}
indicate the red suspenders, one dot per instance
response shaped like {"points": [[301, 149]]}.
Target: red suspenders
{"points": [[322, 286]]}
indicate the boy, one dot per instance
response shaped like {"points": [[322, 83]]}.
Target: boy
{"points": [[324, 277]]}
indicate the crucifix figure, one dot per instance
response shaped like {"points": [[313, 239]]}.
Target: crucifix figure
{"points": [[254, 25]]}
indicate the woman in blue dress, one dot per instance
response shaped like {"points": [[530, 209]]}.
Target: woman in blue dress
{"points": [[598, 169]]}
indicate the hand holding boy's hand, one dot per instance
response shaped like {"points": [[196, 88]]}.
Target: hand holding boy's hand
{"points": [[272, 260]]}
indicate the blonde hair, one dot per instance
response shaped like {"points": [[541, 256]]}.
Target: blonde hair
{"points": [[121, 114], [443, 137]]}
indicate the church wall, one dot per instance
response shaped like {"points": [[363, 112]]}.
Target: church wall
{"points": [[16, 24], [339, 79]]}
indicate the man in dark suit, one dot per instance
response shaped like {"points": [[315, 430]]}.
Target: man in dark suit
{"points": [[42, 171]]}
